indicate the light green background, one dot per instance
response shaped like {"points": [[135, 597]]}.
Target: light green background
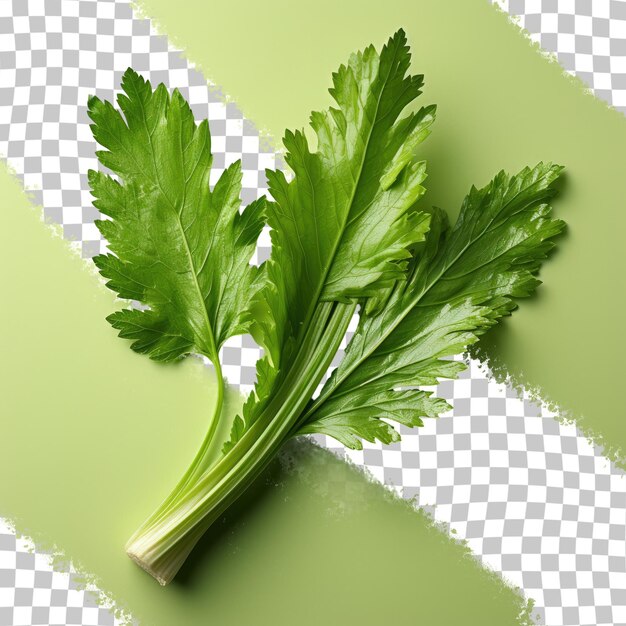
{"points": [[94, 435], [501, 105]]}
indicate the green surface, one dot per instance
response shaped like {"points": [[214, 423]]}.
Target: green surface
{"points": [[500, 105], [86, 465], [93, 435]]}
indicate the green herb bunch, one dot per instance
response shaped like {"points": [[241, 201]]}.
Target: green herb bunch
{"points": [[349, 236]]}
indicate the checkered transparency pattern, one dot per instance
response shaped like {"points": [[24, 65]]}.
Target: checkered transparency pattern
{"points": [[33, 592], [532, 497], [587, 36], [57, 53]]}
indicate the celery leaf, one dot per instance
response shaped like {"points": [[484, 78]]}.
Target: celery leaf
{"points": [[176, 246], [461, 283]]}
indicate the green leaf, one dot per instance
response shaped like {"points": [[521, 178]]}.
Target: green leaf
{"points": [[345, 232], [359, 415], [343, 226], [260, 396], [150, 334], [462, 281], [177, 247]]}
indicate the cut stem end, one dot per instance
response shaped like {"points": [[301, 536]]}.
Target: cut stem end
{"points": [[147, 568]]}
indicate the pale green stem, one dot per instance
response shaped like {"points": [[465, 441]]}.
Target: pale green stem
{"points": [[197, 466], [162, 548]]}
